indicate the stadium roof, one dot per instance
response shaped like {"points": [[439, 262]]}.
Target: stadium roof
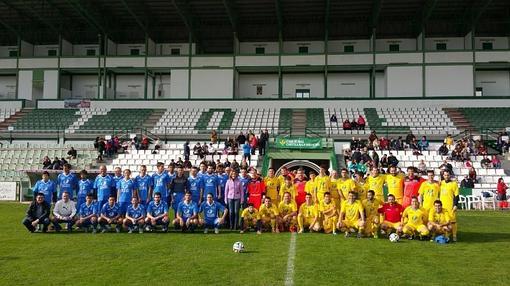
{"points": [[212, 23]]}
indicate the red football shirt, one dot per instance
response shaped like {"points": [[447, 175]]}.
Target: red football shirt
{"points": [[392, 213], [300, 189], [411, 188], [256, 188]]}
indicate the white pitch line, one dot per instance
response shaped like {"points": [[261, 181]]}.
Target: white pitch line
{"points": [[289, 276]]}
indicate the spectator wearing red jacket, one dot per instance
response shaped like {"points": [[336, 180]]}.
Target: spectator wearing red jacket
{"points": [[361, 123], [501, 191], [347, 125]]}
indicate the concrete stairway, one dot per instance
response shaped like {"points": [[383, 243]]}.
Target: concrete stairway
{"points": [[458, 119], [298, 122]]}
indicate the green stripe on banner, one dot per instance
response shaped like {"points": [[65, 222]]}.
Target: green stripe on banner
{"points": [[298, 143]]}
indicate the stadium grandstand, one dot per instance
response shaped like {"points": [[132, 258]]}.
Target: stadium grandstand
{"points": [[290, 87]]}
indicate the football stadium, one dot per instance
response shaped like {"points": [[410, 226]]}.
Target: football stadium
{"points": [[254, 142]]}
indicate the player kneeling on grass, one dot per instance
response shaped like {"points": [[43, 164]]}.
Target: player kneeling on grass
{"points": [[157, 214], [64, 212], [250, 219], [186, 216], [414, 220], [38, 213], [87, 215], [439, 220], [391, 213], [308, 216], [352, 217], [288, 213], [135, 216], [268, 216], [371, 206], [328, 213], [110, 214], [211, 214]]}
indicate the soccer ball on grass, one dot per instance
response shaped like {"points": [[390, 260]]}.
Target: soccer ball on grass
{"points": [[394, 237], [238, 247]]}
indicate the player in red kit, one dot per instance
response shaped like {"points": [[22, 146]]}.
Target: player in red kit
{"points": [[300, 183], [412, 185], [256, 190], [391, 213]]}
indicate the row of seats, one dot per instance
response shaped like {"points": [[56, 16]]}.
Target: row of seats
{"points": [[487, 117], [5, 113], [342, 114], [46, 120], [177, 118]]}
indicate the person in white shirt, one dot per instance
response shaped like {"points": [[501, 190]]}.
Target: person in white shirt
{"points": [[64, 212]]}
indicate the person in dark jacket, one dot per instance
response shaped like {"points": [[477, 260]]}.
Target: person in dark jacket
{"points": [[38, 213], [187, 151]]}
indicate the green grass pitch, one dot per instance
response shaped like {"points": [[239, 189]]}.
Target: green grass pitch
{"points": [[480, 257]]}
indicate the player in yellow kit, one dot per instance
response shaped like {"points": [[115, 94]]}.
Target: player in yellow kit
{"points": [[322, 185], [288, 187], [328, 213], [395, 184], [310, 185], [414, 220], [272, 184], [352, 216], [287, 210], [376, 182], [308, 216], [439, 220], [333, 180], [250, 219], [429, 191], [371, 206], [345, 184], [449, 196], [361, 186], [268, 214]]}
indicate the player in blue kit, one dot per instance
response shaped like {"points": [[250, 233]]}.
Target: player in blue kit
{"points": [[187, 213], [211, 214], [222, 181], [46, 187], [135, 216], [104, 186], [126, 189], [110, 214], [144, 184], [202, 169], [161, 182], [211, 183], [195, 185], [85, 187], [87, 215], [171, 170], [67, 182], [157, 214], [117, 176]]}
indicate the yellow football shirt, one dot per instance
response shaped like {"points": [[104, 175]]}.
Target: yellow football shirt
{"points": [[440, 218], [395, 185], [371, 207], [352, 210], [308, 211], [272, 185], [361, 189], [376, 184], [334, 190], [448, 191], [429, 193], [310, 187], [291, 189], [285, 209], [326, 207], [345, 186], [247, 215], [268, 211], [322, 185], [414, 217]]}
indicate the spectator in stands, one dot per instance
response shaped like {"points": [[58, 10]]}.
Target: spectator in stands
{"points": [[356, 155], [205, 149], [264, 138], [364, 156], [253, 143], [179, 162], [197, 150], [187, 151], [375, 159], [347, 125], [410, 138], [372, 136], [214, 137], [100, 147], [38, 213], [333, 118], [414, 146], [246, 152], [361, 122], [46, 163], [384, 143], [482, 150], [468, 163], [72, 154], [354, 143], [443, 150], [187, 165], [392, 160], [496, 163], [354, 125], [486, 162], [472, 175], [467, 182], [446, 167], [56, 164], [235, 165], [384, 161], [424, 144], [241, 139], [448, 141], [422, 168], [501, 193], [226, 163], [244, 164]]}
